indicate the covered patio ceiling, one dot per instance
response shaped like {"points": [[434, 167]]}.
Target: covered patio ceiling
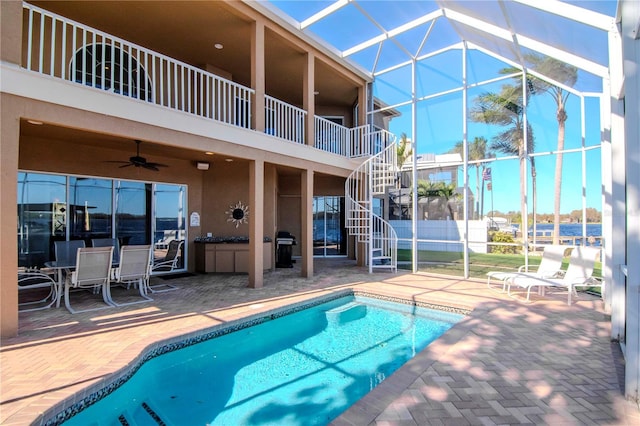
{"points": [[377, 36]]}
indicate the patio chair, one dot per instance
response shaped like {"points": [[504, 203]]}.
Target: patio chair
{"points": [[134, 269], [36, 280], [167, 264], [579, 274], [92, 271], [550, 267], [108, 242], [66, 251]]}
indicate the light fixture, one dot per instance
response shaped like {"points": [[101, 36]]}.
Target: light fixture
{"points": [[202, 165], [208, 153], [228, 160], [35, 122], [316, 93], [218, 46]]}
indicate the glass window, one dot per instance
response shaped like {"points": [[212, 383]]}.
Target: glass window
{"points": [[41, 216], [133, 212], [89, 208], [170, 218]]}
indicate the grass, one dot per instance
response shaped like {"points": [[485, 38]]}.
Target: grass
{"points": [[452, 263]]}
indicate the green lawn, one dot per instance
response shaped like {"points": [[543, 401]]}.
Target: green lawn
{"points": [[451, 263]]}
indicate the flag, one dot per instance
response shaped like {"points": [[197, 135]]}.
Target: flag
{"points": [[486, 174]]}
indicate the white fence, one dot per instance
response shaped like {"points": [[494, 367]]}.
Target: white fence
{"points": [[442, 235]]}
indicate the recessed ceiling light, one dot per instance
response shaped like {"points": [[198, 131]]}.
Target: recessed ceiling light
{"points": [[209, 153], [228, 160], [35, 122], [218, 46]]}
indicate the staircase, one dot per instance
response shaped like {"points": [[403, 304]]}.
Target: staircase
{"points": [[372, 178]]}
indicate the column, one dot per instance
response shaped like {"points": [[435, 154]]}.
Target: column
{"points": [[256, 223], [306, 222], [308, 99], [258, 77]]}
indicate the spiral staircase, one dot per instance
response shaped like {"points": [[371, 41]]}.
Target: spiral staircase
{"points": [[370, 180]]}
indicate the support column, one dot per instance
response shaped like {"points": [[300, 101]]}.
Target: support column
{"points": [[631, 52], [258, 77], [306, 222], [308, 99], [256, 224], [10, 136]]}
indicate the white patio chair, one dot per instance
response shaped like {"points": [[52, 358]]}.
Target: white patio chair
{"points": [[35, 280], [92, 271], [134, 269], [550, 267], [579, 274]]}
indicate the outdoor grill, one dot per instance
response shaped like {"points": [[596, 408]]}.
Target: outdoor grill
{"points": [[284, 243]]}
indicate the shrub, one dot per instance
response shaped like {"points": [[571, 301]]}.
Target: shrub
{"points": [[502, 237]]}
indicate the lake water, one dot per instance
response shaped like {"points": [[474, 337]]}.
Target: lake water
{"points": [[304, 368]]}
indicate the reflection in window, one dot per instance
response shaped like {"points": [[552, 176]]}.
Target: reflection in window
{"points": [[329, 234], [133, 212], [89, 208], [94, 208], [170, 201], [41, 216]]}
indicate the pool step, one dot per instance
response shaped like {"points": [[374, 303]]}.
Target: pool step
{"points": [[144, 415], [343, 314]]}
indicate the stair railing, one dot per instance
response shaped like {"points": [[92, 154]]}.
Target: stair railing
{"points": [[372, 178]]}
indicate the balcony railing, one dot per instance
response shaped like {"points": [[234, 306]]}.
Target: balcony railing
{"points": [[284, 121], [62, 48]]}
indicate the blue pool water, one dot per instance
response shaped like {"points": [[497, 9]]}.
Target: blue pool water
{"points": [[304, 368]]}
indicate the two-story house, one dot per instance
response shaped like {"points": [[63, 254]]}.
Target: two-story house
{"points": [[155, 121]]}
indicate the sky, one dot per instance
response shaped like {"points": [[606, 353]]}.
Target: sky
{"points": [[440, 120]]}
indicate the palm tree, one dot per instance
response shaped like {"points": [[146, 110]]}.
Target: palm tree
{"points": [[443, 192], [567, 75], [477, 151], [506, 109], [403, 153]]}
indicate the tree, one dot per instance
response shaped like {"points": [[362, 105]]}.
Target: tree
{"points": [[477, 151], [443, 193], [506, 109], [403, 153], [567, 75]]}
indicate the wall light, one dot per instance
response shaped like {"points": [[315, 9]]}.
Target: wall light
{"points": [[201, 165]]}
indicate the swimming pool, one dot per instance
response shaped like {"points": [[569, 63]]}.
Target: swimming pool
{"points": [[301, 366]]}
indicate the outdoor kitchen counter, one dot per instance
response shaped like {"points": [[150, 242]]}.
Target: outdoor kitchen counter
{"points": [[221, 256]]}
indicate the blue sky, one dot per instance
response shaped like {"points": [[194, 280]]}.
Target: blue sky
{"points": [[439, 121]]}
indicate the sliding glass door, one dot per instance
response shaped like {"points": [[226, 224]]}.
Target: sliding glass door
{"points": [[329, 235], [57, 208]]}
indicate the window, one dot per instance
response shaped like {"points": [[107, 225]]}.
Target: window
{"points": [[110, 68]]}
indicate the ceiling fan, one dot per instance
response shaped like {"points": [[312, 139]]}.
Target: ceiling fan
{"points": [[138, 161]]}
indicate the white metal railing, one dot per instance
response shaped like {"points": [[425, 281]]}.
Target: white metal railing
{"points": [[62, 48], [65, 49], [331, 137], [284, 121], [364, 142]]}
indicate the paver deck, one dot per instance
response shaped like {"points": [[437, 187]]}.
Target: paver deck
{"points": [[507, 362]]}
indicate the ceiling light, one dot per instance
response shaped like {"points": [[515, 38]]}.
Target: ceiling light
{"points": [[208, 153], [35, 122], [228, 160], [218, 46]]}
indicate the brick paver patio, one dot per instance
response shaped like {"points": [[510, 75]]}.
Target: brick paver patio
{"points": [[507, 362]]}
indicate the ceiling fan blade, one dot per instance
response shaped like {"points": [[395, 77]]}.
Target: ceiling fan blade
{"points": [[158, 165], [126, 165], [151, 166]]}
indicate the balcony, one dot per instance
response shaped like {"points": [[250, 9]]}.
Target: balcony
{"points": [[58, 47]]}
